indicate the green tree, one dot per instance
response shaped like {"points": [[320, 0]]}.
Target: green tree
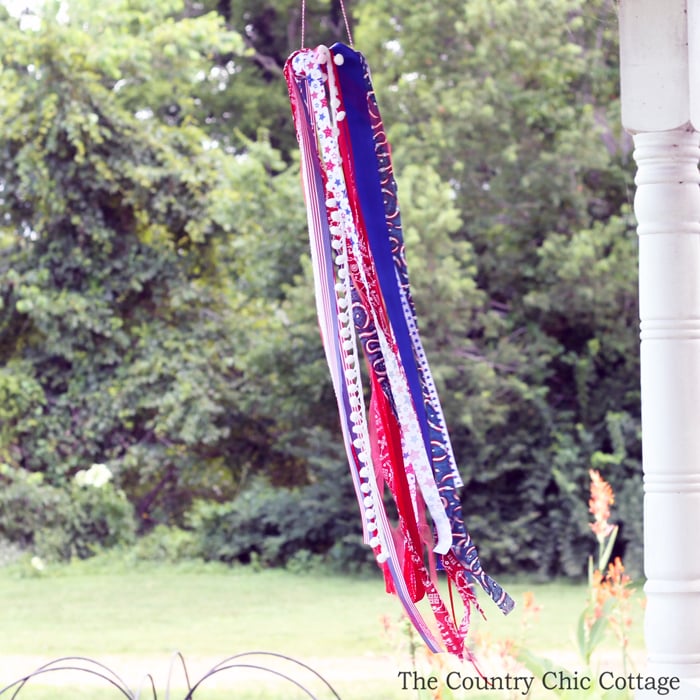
{"points": [[514, 179], [120, 333], [248, 94], [156, 307], [514, 105]]}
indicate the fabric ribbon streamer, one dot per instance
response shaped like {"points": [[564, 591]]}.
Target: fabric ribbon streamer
{"points": [[398, 447]]}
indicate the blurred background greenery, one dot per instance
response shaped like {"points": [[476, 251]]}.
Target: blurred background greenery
{"points": [[156, 308]]}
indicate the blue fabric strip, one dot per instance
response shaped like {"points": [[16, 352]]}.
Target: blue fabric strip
{"points": [[369, 191], [352, 78]]}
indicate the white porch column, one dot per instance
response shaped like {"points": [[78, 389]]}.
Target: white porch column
{"points": [[660, 54]]}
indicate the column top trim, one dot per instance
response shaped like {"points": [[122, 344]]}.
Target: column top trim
{"points": [[659, 47]]}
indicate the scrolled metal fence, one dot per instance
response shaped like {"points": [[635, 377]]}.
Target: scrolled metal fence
{"points": [[290, 671]]}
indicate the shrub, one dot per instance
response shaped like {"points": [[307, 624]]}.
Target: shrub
{"points": [[88, 514], [100, 517], [9, 552], [165, 543], [28, 505], [280, 527]]}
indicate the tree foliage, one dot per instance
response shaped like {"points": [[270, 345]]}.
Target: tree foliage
{"points": [[156, 308], [514, 105], [117, 330]]}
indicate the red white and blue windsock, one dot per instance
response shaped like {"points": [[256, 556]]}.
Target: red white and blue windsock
{"points": [[398, 447]]}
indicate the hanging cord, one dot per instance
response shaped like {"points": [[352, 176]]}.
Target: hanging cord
{"points": [[347, 24], [345, 19]]}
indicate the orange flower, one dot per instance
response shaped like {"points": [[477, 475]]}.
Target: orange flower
{"points": [[618, 580], [616, 572], [386, 623], [529, 604], [613, 585], [602, 497], [507, 648]]}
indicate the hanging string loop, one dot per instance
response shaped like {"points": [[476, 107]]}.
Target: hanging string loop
{"points": [[345, 20]]}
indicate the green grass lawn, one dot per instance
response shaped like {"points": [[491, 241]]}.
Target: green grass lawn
{"points": [[106, 608], [207, 610]]}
